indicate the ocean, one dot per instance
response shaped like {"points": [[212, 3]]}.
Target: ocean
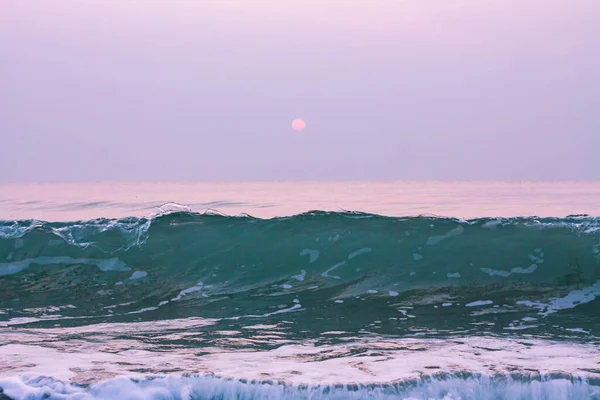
{"points": [[308, 290]]}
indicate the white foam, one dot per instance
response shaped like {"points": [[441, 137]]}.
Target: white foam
{"points": [[111, 264], [313, 255], [210, 387], [189, 290], [44, 310], [358, 252], [138, 275], [492, 224], [495, 272], [453, 275], [300, 276], [573, 299], [533, 304], [393, 293], [417, 256], [48, 309], [505, 274], [436, 239], [352, 362], [519, 327], [577, 330], [282, 311], [479, 303], [529, 270], [326, 273], [404, 312], [143, 310]]}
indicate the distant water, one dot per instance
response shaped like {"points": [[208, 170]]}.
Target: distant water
{"points": [[69, 202], [398, 290]]}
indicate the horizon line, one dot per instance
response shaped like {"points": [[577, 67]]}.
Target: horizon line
{"points": [[274, 181]]}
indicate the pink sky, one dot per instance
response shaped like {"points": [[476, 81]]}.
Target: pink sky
{"points": [[207, 90]]}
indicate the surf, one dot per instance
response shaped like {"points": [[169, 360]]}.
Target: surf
{"points": [[315, 305]]}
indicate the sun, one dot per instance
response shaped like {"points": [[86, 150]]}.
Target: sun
{"points": [[298, 124]]}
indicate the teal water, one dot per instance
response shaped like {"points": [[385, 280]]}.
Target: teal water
{"points": [[316, 305]]}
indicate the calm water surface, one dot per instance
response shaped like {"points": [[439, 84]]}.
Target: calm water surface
{"points": [[466, 199]]}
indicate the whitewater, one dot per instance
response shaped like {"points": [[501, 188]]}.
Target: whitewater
{"points": [[141, 300]]}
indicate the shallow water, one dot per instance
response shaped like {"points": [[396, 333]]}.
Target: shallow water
{"points": [[109, 292]]}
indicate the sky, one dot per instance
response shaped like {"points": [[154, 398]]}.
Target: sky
{"points": [[206, 90]]}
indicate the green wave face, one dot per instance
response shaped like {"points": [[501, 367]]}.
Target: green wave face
{"points": [[321, 271]]}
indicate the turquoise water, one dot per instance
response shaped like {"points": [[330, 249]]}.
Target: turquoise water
{"points": [[181, 304]]}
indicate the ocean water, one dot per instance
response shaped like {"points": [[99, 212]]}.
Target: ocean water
{"points": [[356, 290]]}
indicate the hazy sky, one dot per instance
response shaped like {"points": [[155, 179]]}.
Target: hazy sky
{"points": [[389, 89]]}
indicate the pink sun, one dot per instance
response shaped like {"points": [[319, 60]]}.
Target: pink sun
{"points": [[298, 124]]}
